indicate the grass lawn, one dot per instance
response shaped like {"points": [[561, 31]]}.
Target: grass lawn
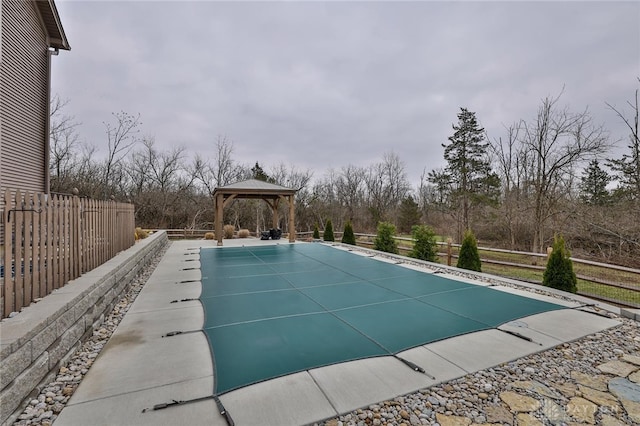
{"points": [[525, 273]]}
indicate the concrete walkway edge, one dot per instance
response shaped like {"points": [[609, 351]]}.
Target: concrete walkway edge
{"points": [[37, 341]]}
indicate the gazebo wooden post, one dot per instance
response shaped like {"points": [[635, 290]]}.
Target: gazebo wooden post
{"points": [[219, 216], [292, 221], [275, 213]]}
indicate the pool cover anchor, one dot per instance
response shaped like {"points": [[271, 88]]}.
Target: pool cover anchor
{"points": [[178, 332], [413, 366], [590, 305], [185, 300], [223, 411], [520, 336]]}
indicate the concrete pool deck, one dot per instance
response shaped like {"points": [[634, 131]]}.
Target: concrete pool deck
{"points": [[140, 366]]}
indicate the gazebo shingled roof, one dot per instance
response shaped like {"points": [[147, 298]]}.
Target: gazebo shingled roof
{"points": [[253, 188]]}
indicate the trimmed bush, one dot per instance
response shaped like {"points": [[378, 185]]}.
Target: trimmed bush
{"points": [[328, 231], [347, 235], [425, 246], [469, 258], [559, 273], [209, 236], [141, 234], [384, 239], [244, 233], [228, 231], [316, 232]]}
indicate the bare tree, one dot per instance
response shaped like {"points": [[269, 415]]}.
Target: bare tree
{"points": [[350, 189], [556, 142], [64, 145], [159, 185], [299, 180], [513, 166], [387, 185], [224, 169], [121, 137], [628, 167]]}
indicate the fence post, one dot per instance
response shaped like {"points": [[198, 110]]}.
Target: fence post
{"points": [[449, 254], [17, 253], [9, 283], [27, 244], [49, 238], [42, 246]]}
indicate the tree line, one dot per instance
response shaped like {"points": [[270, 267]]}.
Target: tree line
{"points": [[552, 174]]}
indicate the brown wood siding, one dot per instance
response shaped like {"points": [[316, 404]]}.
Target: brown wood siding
{"points": [[23, 97]]}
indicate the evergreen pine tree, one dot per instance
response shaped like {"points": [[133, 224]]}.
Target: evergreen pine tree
{"points": [[316, 232], [347, 236], [425, 246], [559, 273], [469, 170], [409, 214], [328, 231], [259, 174], [593, 185], [469, 258], [384, 240]]}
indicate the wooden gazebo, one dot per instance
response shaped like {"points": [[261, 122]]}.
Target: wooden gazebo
{"points": [[257, 189]]}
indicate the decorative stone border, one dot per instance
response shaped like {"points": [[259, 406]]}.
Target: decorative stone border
{"points": [[633, 314], [41, 338]]}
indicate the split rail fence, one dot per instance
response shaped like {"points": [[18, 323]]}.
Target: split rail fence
{"points": [[48, 240], [610, 283]]}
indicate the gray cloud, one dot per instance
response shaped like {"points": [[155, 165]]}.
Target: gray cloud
{"points": [[324, 84]]}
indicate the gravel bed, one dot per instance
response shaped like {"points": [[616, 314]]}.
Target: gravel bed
{"points": [[476, 395]]}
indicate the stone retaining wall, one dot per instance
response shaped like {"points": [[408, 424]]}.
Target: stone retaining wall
{"points": [[41, 338]]}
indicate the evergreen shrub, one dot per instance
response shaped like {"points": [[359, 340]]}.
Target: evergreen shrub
{"points": [[469, 258], [559, 273], [328, 231], [384, 239], [425, 246], [347, 236]]}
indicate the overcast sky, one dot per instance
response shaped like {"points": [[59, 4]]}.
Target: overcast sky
{"points": [[325, 84]]}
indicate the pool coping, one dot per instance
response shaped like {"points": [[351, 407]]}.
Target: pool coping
{"points": [[121, 384]]}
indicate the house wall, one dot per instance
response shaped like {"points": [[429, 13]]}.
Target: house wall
{"points": [[23, 98]]}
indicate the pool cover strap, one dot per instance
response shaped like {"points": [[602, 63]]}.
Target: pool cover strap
{"points": [[591, 305], [223, 411], [271, 311]]}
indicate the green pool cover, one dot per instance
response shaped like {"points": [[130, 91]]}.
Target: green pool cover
{"points": [[276, 310]]}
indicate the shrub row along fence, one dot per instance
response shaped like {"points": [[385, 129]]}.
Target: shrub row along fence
{"points": [[611, 283], [49, 240]]}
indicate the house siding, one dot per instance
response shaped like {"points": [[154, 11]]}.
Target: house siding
{"points": [[24, 98]]}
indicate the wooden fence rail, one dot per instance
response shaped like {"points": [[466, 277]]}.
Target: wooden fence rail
{"points": [[612, 283], [49, 240]]}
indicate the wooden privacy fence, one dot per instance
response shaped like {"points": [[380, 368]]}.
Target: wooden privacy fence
{"points": [[49, 240]]}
